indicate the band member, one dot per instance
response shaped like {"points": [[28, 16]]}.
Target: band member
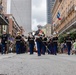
{"points": [[22, 45], [4, 39], [55, 44], [44, 43], [50, 46], [68, 43], [18, 43], [39, 44], [31, 43]]}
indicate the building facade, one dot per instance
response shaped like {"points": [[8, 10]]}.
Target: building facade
{"points": [[4, 3], [48, 29], [13, 26], [3, 18], [6, 6], [67, 10], [44, 29], [21, 10], [50, 4]]}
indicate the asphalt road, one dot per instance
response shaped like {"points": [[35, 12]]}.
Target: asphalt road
{"points": [[25, 64]]}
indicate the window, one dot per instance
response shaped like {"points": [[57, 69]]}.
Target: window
{"points": [[0, 1]]}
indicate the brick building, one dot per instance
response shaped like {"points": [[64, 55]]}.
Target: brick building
{"points": [[12, 27]]}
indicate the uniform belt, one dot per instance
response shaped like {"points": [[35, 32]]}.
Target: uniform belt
{"points": [[18, 40], [31, 39], [68, 40], [5, 41], [55, 41], [44, 41]]}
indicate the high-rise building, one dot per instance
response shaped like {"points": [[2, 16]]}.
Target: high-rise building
{"points": [[21, 10], [50, 4], [6, 6]]}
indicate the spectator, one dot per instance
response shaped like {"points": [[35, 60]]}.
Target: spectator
{"points": [[74, 48]]}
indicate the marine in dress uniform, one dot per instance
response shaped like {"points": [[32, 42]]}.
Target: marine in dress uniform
{"points": [[22, 45], [31, 43], [38, 36], [38, 40], [44, 44], [55, 44], [50, 46], [39, 44], [18, 43], [68, 43]]}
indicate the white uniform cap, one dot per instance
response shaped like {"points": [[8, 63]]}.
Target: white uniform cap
{"points": [[18, 32], [68, 32]]}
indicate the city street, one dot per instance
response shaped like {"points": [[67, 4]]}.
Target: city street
{"points": [[43, 26], [25, 64]]}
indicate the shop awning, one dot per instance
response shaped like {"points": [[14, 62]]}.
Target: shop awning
{"points": [[3, 20]]}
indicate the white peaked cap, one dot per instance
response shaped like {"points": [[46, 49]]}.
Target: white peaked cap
{"points": [[54, 33], [68, 32]]}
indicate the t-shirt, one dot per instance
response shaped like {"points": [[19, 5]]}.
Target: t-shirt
{"points": [[4, 38], [74, 44]]}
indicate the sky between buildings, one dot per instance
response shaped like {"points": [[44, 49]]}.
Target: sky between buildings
{"points": [[38, 12]]}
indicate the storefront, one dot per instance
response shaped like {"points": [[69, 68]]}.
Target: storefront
{"points": [[3, 24]]}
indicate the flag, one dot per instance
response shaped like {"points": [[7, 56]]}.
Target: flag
{"points": [[58, 16]]}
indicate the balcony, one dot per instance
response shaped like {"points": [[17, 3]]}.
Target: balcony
{"points": [[63, 19], [70, 10], [69, 26]]}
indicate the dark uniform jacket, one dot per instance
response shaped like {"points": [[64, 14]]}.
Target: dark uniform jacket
{"points": [[55, 41], [50, 42], [18, 39], [31, 40], [39, 39], [68, 41], [44, 41]]}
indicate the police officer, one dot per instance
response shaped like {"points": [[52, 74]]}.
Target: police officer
{"points": [[4, 39], [31, 43], [55, 44], [68, 42], [18, 43]]}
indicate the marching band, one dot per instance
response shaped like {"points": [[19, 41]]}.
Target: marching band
{"points": [[37, 42]]}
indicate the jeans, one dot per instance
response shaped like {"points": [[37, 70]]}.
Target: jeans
{"points": [[18, 48], [3, 48]]}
